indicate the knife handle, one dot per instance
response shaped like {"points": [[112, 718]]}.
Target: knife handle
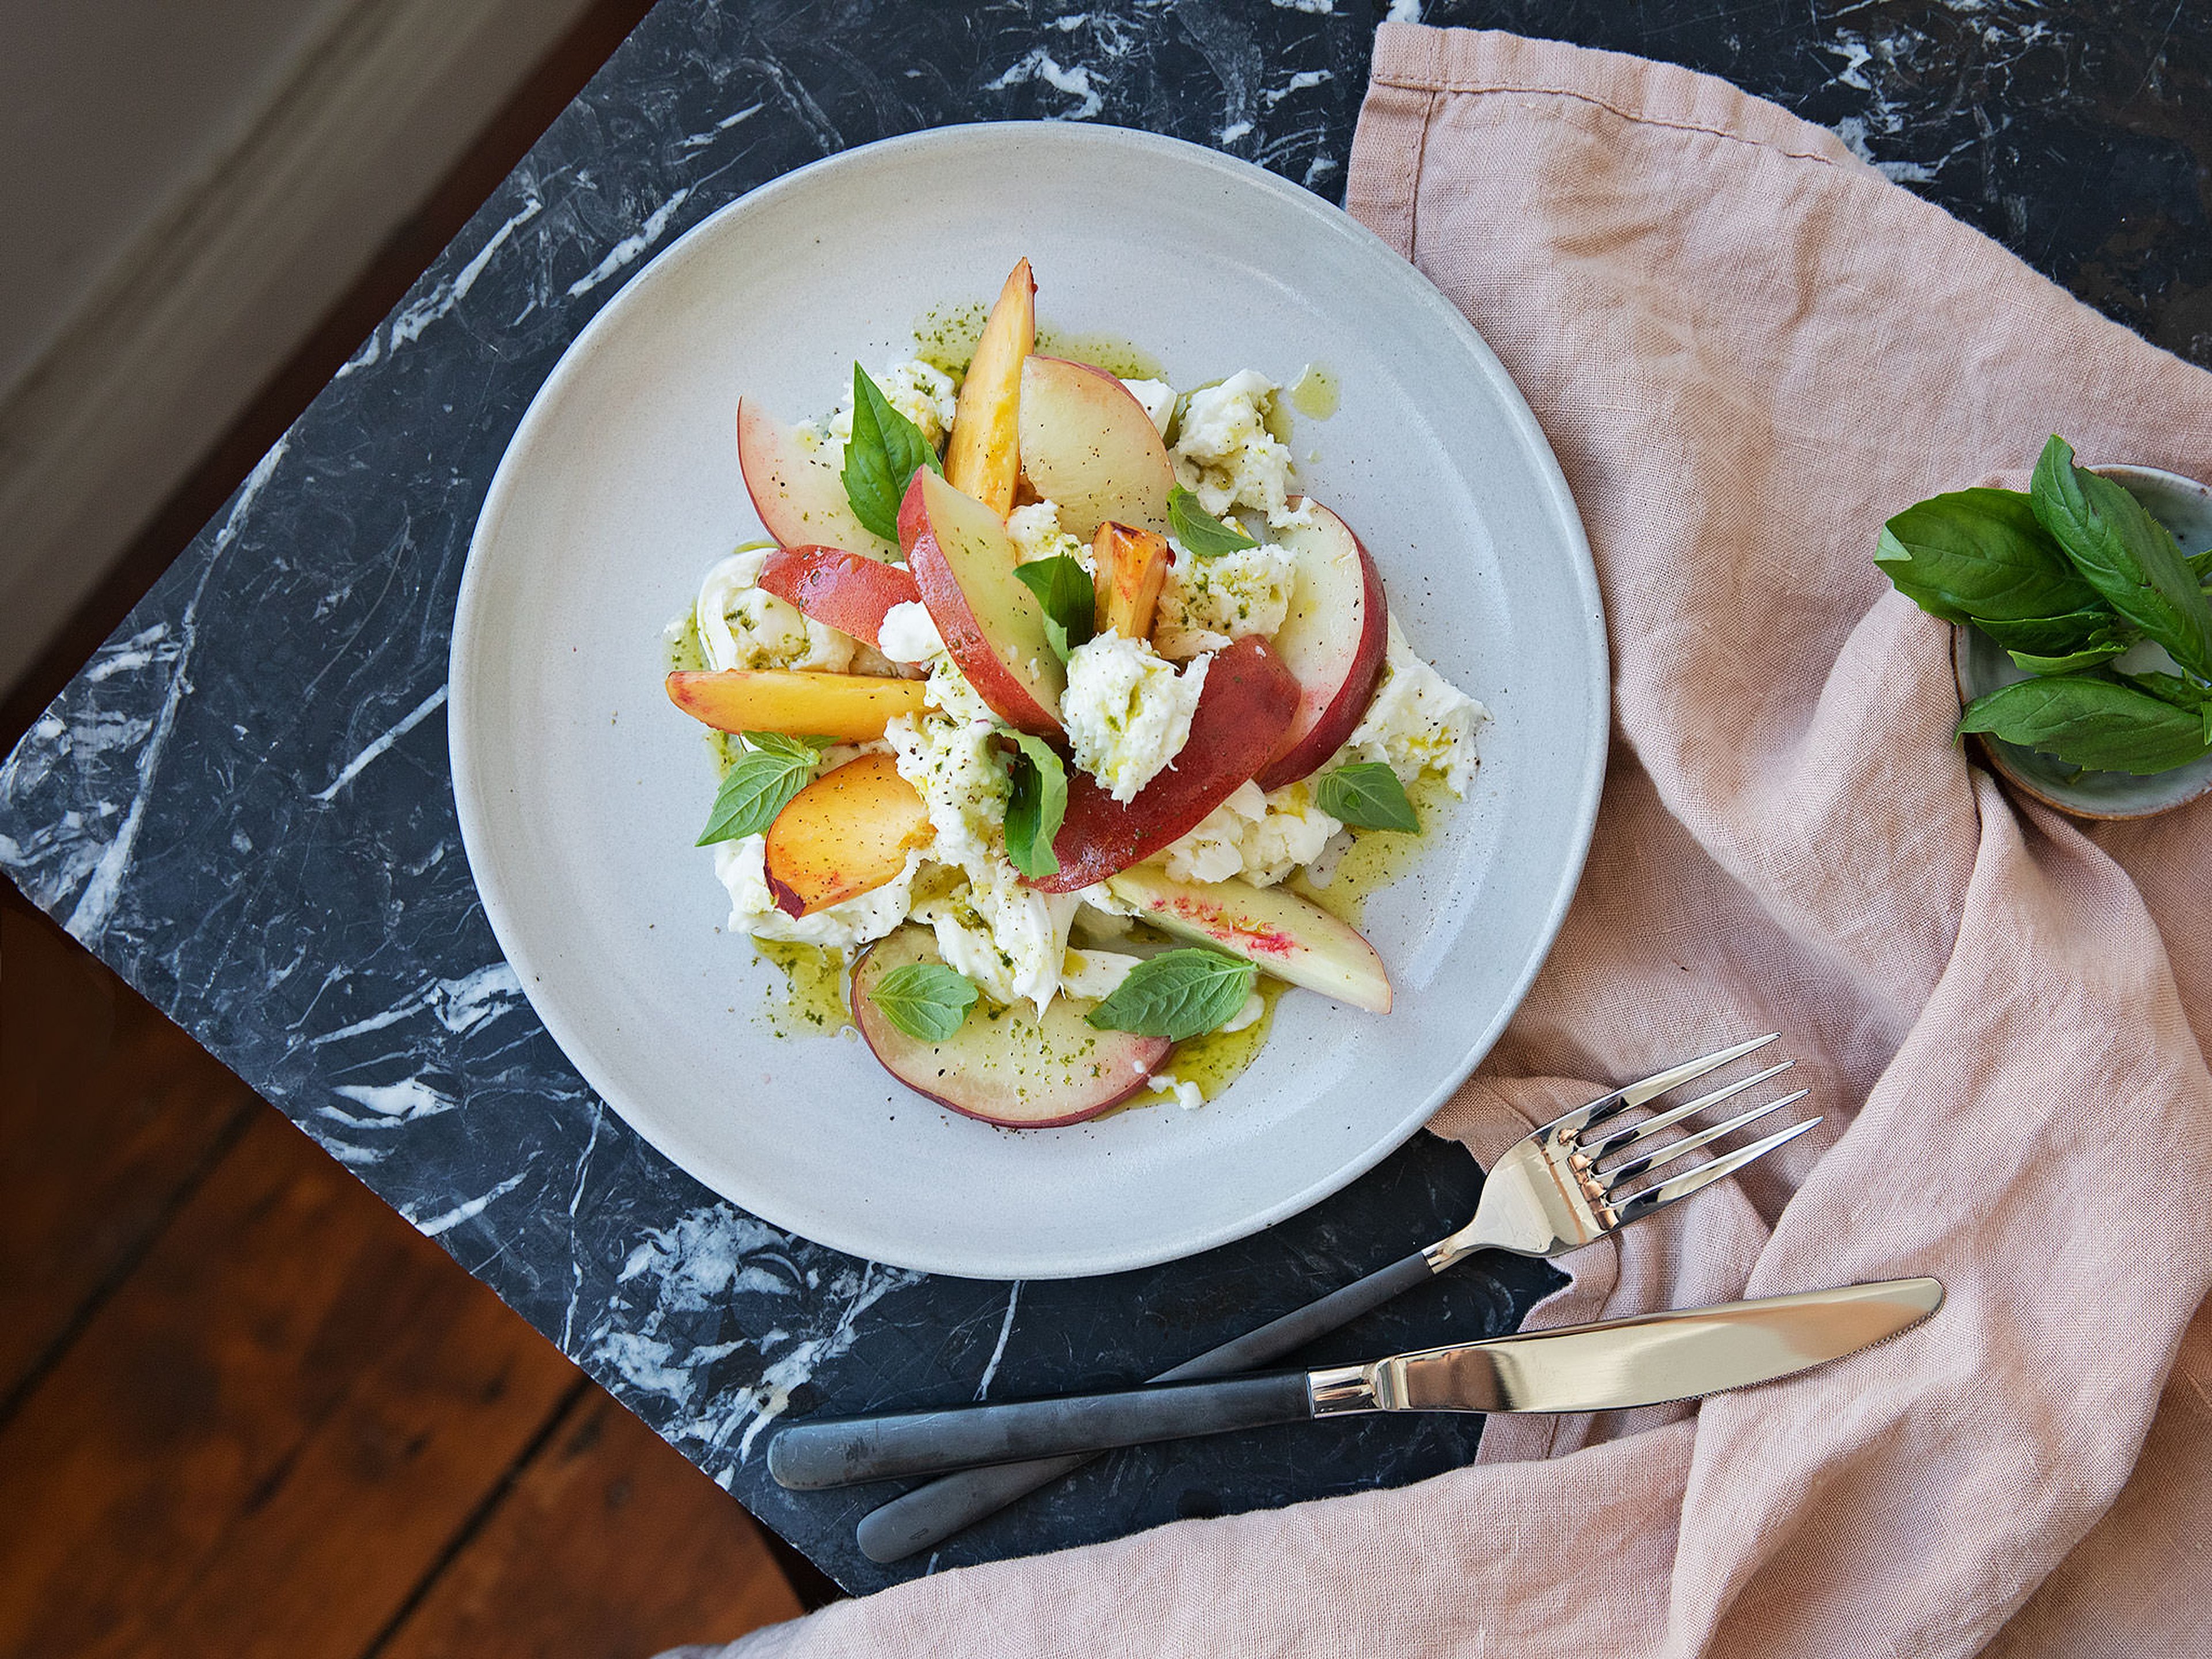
{"points": [[807, 1456], [929, 1515]]}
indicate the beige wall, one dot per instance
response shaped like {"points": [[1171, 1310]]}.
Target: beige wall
{"points": [[108, 109], [186, 186]]}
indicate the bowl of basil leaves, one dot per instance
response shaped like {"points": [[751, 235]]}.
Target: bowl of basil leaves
{"points": [[2082, 645]]}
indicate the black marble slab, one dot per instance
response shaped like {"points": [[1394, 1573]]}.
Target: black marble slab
{"points": [[242, 802]]}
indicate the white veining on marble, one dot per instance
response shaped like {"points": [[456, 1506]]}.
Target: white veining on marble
{"points": [[458, 1003], [1006, 1330], [88, 918], [408, 1101], [686, 1278], [627, 250], [470, 1210], [352, 770], [699, 139], [1403, 11], [409, 324], [1038, 65]]}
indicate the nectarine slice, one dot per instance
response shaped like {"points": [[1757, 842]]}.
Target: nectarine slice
{"points": [[1290, 937], [799, 495], [1130, 566], [1332, 640], [1006, 1065], [982, 454], [964, 562], [1242, 711], [847, 833], [1088, 446], [850, 708], [847, 592]]}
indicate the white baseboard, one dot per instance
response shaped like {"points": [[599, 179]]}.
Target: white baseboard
{"points": [[168, 352]]}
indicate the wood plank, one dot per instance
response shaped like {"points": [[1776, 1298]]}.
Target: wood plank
{"points": [[108, 1115], [268, 1436], [609, 1546]]}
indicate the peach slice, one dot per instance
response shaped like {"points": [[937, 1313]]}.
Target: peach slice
{"points": [[1290, 937], [1332, 641], [1240, 720], [846, 834], [849, 707], [1131, 566], [799, 495], [982, 454], [963, 562], [1009, 1065], [844, 591], [1088, 446]]}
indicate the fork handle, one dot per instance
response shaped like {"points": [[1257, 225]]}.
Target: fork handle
{"points": [[807, 1456], [929, 1515]]}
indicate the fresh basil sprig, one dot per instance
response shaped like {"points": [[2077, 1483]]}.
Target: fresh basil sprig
{"points": [[2126, 555], [881, 458], [926, 1000], [759, 784], [1068, 597], [1978, 554], [1177, 994], [1367, 795], [1036, 804], [1206, 536], [2090, 721], [2066, 577]]}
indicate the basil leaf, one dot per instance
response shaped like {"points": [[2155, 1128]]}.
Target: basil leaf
{"points": [[1036, 804], [1177, 994], [2054, 636], [2171, 687], [2200, 565], [2088, 721], [1367, 795], [1198, 530], [2074, 661], [2128, 557], [758, 786], [926, 1000], [1980, 555], [881, 458], [1069, 598]]}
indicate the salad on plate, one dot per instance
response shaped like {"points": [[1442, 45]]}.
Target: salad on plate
{"points": [[1054, 700]]}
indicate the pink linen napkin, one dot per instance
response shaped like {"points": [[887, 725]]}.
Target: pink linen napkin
{"points": [[1748, 348]]}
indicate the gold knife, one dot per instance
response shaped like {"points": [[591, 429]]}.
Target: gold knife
{"points": [[1644, 1361]]}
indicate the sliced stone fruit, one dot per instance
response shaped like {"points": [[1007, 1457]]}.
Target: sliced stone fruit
{"points": [[846, 834], [1290, 937], [1006, 1065]]}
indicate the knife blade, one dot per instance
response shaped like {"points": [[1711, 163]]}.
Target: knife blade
{"points": [[1643, 1361]]}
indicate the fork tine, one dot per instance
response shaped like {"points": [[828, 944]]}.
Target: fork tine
{"points": [[1654, 1198], [1636, 1166], [1620, 1138], [1635, 1094]]}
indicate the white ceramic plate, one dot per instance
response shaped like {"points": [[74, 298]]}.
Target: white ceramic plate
{"points": [[579, 788]]}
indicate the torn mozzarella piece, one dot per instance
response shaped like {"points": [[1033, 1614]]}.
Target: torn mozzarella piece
{"points": [[1225, 456], [1035, 533], [841, 927], [909, 634], [1127, 711], [1260, 837], [1157, 399], [742, 625], [1418, 720], [1206, 604]]}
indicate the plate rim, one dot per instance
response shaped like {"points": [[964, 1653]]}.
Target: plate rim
{"points": [[470, 811]]}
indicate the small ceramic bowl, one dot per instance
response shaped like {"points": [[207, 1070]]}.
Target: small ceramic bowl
{"points": [[1980, 664]]}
